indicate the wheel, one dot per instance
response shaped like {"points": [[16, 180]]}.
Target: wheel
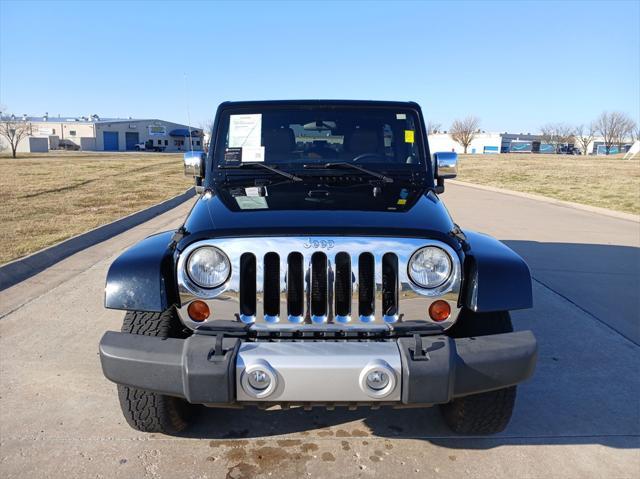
{"points": [[484, 413], [147, 411]]}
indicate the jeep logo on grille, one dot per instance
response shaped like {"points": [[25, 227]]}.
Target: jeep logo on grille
{"points": [[319, 244]]}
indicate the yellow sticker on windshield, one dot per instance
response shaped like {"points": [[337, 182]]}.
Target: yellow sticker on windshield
{"points": [[402, 202], [408, 136]]}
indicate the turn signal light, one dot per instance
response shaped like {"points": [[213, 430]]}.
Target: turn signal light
{"points": [[439, 310], [198, 310]]}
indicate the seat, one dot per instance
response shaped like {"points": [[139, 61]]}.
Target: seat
{"points": [[278, 141], [362, 141]]}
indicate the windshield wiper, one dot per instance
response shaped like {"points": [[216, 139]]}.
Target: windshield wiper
{"points": [[273, 169], [342, 164]]}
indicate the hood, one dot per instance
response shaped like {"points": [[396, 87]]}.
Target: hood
{"points": [[318, 209]]}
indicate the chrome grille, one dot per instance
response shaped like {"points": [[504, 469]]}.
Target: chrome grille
{"points": [[311, 293], [344, 280]]}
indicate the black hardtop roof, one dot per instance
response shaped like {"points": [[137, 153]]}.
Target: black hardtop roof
{"points": [[373, 103]]}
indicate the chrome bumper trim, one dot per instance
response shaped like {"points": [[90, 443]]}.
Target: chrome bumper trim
{"points": [[319, 371]]}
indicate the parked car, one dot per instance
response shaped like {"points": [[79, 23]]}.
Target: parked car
{"points": [[319, 267], [67, 145], [569, 150], [148, 146]]}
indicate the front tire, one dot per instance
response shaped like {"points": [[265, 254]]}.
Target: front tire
{"points": [[484, 413], [144, 410]]}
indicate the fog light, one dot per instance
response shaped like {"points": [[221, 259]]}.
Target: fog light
{"points": [[439, 310], [198, 310], [258, 379], [377, 379]]}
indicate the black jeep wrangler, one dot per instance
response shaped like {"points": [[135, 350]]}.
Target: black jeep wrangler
{"points": [[318, 267]]}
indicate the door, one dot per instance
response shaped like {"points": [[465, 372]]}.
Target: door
{"points": [[110, 140], [131, 139]]}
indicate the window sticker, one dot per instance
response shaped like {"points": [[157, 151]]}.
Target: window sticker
{"points": [[401, 116], [233, 156], [252, 154], [251, 202], [402, 202], [245, 130], [255, 191], [409, 136]]}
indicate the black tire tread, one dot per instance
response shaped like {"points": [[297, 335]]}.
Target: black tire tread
{"points": [[147, 411], [484, 413], [489, 412]]}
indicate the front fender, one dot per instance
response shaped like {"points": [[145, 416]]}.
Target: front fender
{"points": [[496, 278], [142, 278]]}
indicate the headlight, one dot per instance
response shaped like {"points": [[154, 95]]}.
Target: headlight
{"points": [[429, 267], [208, 267]]}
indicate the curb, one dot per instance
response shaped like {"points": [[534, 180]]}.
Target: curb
{"points": [[23, 268], [545, 199]]}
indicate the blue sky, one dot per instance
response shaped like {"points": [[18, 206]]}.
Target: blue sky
{"points": [[516, 65]]}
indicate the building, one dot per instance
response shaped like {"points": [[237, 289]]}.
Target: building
{"points": [[515, 143], [110, 134], [482, 143]]}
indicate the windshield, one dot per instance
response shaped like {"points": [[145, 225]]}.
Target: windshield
{"points": [[378, 138]]}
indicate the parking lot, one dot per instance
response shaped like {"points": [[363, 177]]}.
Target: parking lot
{"points": [[578, 417]]}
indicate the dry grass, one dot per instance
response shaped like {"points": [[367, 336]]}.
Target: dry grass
{"points": [[607, 182], [48, 197]]}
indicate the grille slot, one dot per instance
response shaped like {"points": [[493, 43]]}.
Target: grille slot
{"points": [[390, 287], [295, 287], [319, 288], [343, 286], [271, 279], [367, 287], [247, 293]]}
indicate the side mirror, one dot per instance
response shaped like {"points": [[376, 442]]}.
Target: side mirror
{"points": [[194, 167], [193, 164], [446, 168]]}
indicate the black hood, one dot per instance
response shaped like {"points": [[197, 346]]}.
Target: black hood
{"points": [[318, 209]]}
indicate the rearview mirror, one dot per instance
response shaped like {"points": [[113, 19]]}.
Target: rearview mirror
{"points": [[194, 167], [446, 168]]}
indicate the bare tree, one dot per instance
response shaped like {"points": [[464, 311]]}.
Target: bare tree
{"points": [[14, 132], [565, 134], [207, 129], [614, 127], [548, 135], [464, 131], [625, 132], [433, 127], [557, 134], [584, 136]]}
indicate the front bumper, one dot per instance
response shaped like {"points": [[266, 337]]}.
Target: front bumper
{"points": [[207, 369]]}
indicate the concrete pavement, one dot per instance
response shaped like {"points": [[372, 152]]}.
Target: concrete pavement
{"points": [[578, 417]]}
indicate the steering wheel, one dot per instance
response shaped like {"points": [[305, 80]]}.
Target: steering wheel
{"points": [[362, 156]]}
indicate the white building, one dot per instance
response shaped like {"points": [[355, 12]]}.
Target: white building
{"points": [[109, 134], [482, 143], [513, 143]]}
